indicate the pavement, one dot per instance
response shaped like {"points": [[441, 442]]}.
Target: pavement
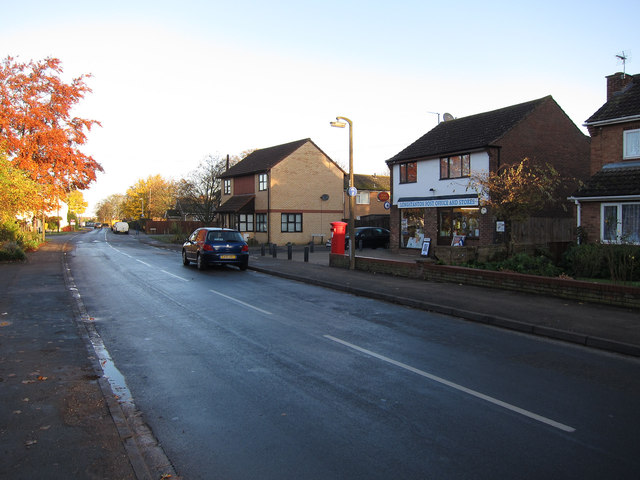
{"points": [[60, 419]]}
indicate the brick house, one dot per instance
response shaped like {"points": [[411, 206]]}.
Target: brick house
{"points": [[608, 204], [283, 194], [373, 193], [430, 178]]}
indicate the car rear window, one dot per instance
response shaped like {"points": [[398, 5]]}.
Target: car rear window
{"points": [[214, 237]]}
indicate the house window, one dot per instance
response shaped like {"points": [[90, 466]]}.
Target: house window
{"points": [[291, 222], [631, 144], [408, 172], [363, 198], [262, 182], [261, 222], [245, 222], [621, 223], [455, 167], [227, 187]]}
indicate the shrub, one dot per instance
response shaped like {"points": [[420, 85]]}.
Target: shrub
{"points": [[10, 251], [538, 264], [619, 262]]}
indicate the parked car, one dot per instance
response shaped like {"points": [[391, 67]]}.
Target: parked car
{"points": [[215, 246], [370, 237], [120, 227]]}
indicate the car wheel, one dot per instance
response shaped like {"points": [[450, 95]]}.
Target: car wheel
{"points": [[185, 260], [200, 262], [243, 266]]}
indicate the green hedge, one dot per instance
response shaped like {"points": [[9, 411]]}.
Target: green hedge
{"points": [[619, 262]]}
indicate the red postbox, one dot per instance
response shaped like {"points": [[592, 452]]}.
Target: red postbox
{"points": [[338, 230]]}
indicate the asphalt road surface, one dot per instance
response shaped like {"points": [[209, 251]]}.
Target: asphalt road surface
{"points": [[241, 375]]}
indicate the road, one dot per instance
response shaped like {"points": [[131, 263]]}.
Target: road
{"points": [[241, 375]]}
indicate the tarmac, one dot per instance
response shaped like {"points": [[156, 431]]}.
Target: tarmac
{"points": [[60, 418]]}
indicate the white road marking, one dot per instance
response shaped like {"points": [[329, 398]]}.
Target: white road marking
{"points": [[176, 276], [144, 263], [241, 302], [466, 390]]}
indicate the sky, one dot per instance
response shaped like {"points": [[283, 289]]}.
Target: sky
{"points": [[174, 82]]}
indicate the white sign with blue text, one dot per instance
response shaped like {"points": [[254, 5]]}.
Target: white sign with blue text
{"points": [[439, 202]]}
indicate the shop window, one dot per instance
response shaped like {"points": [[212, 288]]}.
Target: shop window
{"points": [[457, 221], [412, 227]]}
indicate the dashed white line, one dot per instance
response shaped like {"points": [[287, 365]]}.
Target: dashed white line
{"points": [[175, 276], [244, 304], [461, 388]]}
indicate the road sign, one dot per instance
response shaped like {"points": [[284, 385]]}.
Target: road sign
{"points": [[352, 191]]}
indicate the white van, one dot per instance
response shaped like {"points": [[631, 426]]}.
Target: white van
{"points": [[121, 227]]}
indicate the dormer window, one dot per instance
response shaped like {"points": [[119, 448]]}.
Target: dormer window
{"points": [[631, 144]]}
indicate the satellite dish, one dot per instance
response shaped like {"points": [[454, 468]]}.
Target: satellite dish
{"points": [[324, 197], [448, 117]]}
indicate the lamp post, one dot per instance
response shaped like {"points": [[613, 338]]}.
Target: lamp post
{"points": [[340, 123]]}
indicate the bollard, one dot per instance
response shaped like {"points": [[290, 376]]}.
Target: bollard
{"points": [[306, 254], [262, 250], [311, 246], [289, 251], [275, 250]]}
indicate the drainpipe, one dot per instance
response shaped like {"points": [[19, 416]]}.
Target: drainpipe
{"points": [[578, 216]]}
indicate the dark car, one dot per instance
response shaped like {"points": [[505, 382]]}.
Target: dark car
{"points": [[370, 237], [215, 246]]}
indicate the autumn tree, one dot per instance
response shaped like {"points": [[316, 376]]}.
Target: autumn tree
{"points": [[153, 196], [517, 192], [110, 208], [18, 192], [37, 129]]}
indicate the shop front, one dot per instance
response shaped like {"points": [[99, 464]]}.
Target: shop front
{"points": [[445, 221]]}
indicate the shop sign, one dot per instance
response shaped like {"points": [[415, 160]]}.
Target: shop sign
{"points": [[442, 202]]}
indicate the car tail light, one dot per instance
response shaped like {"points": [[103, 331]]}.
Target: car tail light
{"points": [[207, 248], [245, 248]]}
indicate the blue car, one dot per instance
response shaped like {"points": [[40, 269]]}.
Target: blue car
{"points": [[215, 246]]}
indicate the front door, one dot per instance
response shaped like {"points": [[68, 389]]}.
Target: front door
{"points": [[445, 226]]}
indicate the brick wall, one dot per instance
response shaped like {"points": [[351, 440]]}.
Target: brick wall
{"points": [[297, 183], [607, 143], [617, 295]]}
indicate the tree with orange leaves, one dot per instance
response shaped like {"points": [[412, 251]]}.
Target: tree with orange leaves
{"points": [[37, 130]]}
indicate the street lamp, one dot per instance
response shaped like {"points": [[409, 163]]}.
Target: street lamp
{"points": [[341, 122]]}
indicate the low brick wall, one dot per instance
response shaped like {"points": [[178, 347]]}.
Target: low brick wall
{"points": [[618, 295]]}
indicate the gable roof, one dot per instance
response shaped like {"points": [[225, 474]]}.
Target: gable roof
{"points": [[264, 159], [468, 133], [614, 180], [622, 105], [372, 183]]}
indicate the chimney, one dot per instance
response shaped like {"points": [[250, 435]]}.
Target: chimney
{"points": [[616, 83]]}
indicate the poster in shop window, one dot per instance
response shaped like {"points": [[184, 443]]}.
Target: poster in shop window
{"points": [[458, 241], [425, 247]]}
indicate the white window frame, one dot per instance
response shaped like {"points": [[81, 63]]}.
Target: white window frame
{"points": [[262, 182], [363, 198], [227, 186], [631, 144], [618, 206]]}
